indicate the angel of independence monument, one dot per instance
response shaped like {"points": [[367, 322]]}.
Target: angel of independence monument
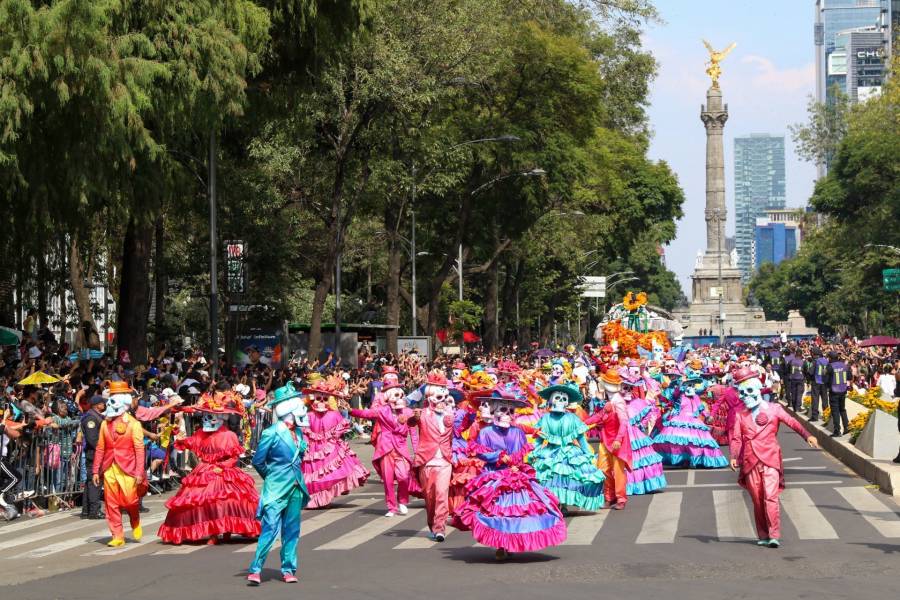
{"points": [[717, 304]]}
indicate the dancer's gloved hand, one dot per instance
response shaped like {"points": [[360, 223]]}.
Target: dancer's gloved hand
{"points": [[812, 441], [734, 464]]}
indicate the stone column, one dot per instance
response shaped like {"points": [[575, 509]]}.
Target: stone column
{"points": [[714, 114]]}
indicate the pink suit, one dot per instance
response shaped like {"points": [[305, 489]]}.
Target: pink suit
{"points": [[754, 445], [433, 455], [391, 459]]}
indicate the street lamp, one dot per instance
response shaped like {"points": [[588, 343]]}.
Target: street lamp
{"points": [[213, 270], [537, 172], [718, 215]]}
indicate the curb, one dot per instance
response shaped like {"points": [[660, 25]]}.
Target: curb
{"points": [[883, 473]]}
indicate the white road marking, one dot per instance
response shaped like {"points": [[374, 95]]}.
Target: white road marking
{"points": [[422, 540], [319, 519], [873, 510], [47, 533], [661, 523], [793, 458], [582, 530], [691, 477], [93, 536], [145, 543], [807, 468], [368, 531], [23, 525], [733, 519], [809, 520]]}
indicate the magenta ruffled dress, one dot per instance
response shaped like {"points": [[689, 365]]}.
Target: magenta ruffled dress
{"points": [[505, 506], [685, 439], [330, 467]]}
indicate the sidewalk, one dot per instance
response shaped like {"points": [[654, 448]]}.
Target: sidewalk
{"points": [[883, 473]]}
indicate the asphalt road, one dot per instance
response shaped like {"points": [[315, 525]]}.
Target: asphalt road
{"points": [[695, 540]]}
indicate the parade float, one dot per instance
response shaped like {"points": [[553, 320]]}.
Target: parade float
{"points": [[634, 328]]}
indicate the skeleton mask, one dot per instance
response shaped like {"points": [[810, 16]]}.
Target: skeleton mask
{"points": [[503, 416], [396, 398], [750, 391], [484, 412], [634, 371], [212, 422], [438, 397], [116, 405], [670, 365], [456, 374], [611, 388], [559, 401], [319, 404], [556, 371]]}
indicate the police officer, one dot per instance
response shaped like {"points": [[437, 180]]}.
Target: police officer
{"points": [[796, 381], [90, 430], [819, 384], [777, 362], [837, 377]]}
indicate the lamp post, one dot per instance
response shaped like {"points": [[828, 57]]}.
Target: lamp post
{"points": [[718, 216]]}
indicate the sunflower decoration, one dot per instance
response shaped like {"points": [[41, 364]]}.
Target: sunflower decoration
{"points": [[477, 381], [633, 301]]}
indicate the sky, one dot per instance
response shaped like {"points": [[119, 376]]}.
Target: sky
{"points": [[766, 82]]}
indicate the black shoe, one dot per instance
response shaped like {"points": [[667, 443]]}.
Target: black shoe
{"points": [[144, 509], [97, 516], [836, 434]]}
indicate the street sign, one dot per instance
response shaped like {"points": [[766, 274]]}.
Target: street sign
{"points": [[235, 270], [891, 279], [593, 286]]}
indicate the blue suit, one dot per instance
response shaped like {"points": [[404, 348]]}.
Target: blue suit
{"points": [[277, 459]]}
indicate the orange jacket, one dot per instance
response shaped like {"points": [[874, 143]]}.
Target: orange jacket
{"points": [[126, 449]]}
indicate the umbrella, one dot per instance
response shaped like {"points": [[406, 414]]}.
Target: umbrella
{"points": [[879, 340], [544, 353], [39, 378], [10, 337], [86, 354]]}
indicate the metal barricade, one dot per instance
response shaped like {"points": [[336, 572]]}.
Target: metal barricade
{"points": [[50, 464]]}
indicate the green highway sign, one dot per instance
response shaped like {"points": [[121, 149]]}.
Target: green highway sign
{"points": [[891, 278]]}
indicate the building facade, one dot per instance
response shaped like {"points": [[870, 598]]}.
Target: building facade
{"points": [[759, 186], [776, 237]]}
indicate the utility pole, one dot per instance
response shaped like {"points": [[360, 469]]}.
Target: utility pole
{"points": [[412, 251], [213, 271], [459, 268]]}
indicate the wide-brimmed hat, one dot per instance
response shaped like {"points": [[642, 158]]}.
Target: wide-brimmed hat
{"points": [[330, 387], [569, 389], [119, 387], [743, 374], [284, 393], [611, 376], [221, 403]]}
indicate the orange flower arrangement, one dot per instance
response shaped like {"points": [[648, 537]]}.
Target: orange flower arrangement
{"points": [[632, 301], [629, 340]]}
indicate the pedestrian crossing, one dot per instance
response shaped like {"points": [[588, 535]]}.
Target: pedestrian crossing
{"points": [[658, 519]]}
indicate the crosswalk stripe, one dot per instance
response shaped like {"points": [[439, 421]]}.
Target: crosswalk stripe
{"points": [[144, 543], [182, 549], [661, 523], [367, 531], [733, 519], [873, 510], [809, 521], [422, 540], [46, 533], [93, 536], [583, 529], [312, 522], [15, 527]]}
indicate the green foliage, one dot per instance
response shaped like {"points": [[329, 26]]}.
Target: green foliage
{"points": [[465, 315]]}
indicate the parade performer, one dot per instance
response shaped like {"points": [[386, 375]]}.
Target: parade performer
{"points": [[330, 467], [278, 460], [646, 474], [564, 461], [614, 452], [216, 498], [465, 465], [391, 459], [434, 452], [119, 462], [756, 453], [684, 438], [505, 507]]}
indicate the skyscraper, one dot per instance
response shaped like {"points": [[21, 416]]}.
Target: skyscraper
{"points": [[853, 43], [759, 186]]}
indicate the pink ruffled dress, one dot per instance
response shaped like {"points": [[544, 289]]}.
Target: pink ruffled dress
{"points": [[330, 467], [505, 506]]}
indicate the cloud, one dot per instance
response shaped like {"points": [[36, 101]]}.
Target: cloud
{"points": [[767, 75]]}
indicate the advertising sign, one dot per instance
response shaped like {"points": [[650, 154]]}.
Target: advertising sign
{"points": [[259, 344], [235, 271]]}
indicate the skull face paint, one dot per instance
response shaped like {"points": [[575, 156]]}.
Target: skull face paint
{"points": [[438, 397], [319, 404], [559, 401], [484, 412], [503, 414], [212, 422], [456, 374], [556, 371]]}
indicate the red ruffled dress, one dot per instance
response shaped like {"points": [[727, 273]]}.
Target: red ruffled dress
{"points": [[217, 497], [330, 467]]}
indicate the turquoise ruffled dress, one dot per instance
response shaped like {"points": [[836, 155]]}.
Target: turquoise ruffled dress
{"points": [[564, 463]]}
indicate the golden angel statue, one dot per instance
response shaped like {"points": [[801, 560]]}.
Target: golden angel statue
{"points": [[712, 67]]}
